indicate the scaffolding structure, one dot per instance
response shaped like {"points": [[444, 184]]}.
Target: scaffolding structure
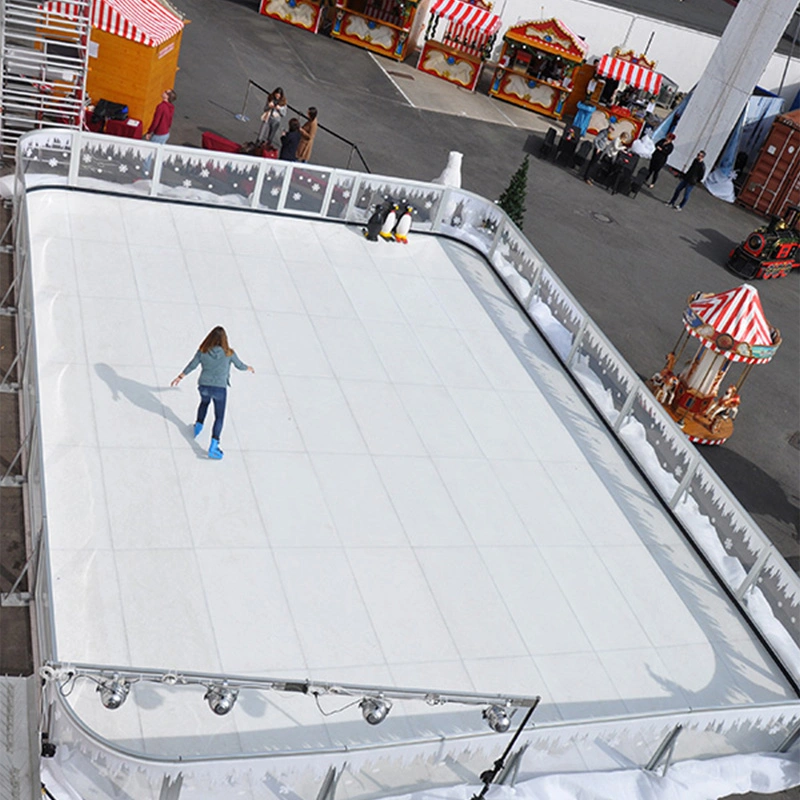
{"points": [[45, 50]]}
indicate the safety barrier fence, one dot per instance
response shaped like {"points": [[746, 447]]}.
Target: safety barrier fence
{"points": [[744, 560], [354, 149]]}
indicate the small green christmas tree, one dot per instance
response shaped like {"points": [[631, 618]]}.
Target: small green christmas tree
{"points": [[512, 201]]}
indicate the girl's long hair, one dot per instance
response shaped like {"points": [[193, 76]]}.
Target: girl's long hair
{"points": [[281, 101], [216, 338]]}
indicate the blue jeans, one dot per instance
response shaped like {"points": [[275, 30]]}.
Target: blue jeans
{"points": [[160, 138], [681, 186], [219, 394]]}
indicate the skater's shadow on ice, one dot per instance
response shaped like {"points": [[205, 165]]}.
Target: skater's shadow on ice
{"points": [[144, 397]]}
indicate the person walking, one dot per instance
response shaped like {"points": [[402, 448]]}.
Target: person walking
{"points": [[692, 176], [659, 158], [274, 112], [162, 118], [308, 130], [214, 356]]}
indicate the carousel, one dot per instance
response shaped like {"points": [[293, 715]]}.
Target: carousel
{"points": [[730, 327], [536, 66], [467, 39], [625, 83]]}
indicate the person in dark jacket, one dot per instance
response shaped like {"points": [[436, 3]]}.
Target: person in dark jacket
{"points": [[290, 141], [692, 176], [214, 356], [659, 158]]}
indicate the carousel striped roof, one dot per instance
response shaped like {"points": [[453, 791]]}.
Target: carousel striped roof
{"points": [[733, 324]]}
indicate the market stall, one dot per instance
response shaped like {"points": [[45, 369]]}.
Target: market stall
{"points": [[536, 65], [306, 14], [731, 328], [389, 27], [467, 38], [630, 81], [133, 52]]}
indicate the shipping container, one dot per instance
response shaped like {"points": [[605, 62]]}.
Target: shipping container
{"points": [[774, 181]]}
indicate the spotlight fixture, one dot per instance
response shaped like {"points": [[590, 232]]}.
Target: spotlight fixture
{"points": [[221, 698], [497, 718], [375, 709], [113, 691]]}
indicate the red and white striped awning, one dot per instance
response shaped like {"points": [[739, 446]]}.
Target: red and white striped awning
{"points": [[733, 324], [633, 74], [466, 15], [144, 21]]}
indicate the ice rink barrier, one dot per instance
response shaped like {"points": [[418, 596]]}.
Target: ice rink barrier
{"points": [[743, 559]]}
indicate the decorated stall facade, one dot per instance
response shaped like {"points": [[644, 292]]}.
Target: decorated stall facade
{"points": [[636, 73], [388, 27], [133, 55], [306, 14], [730, 328], [467, 32], [536, 65]]}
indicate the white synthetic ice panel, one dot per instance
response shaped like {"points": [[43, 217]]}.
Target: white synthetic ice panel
{"points": [[412, 492]]}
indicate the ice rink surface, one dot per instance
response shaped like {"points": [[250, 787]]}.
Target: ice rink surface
{"points": [[413, 492]]}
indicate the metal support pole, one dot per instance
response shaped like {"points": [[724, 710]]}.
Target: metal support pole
{"points": [[755, 571], [242, 117], [790, 740], [665, 751], [6, 385], [508, 774], [171, 789], [13, 597], [691, 468], [625, 410], [328, 788], [490, 774], [577, 342]]}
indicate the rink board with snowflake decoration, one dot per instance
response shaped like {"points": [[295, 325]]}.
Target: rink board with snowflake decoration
{"points": [[412, 492]]}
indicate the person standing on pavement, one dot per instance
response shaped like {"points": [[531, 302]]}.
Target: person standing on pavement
{"points": [[214, 356], [659, 158], [162, 118], [308, 130], [692, 176], [274, 112]]}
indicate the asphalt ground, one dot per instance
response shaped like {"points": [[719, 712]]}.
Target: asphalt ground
{"points": [[630, 262]]}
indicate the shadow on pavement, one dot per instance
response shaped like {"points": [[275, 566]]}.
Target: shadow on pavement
{"points": [[715, 247], [759, 493]]}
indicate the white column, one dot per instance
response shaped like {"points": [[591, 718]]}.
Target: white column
{"points": [[735, 67]]}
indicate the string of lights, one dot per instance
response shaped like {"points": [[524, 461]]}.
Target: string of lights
{"points": [[114, 685]]}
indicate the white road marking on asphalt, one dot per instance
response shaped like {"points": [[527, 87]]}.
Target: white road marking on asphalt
{"points": [[396, 85]]}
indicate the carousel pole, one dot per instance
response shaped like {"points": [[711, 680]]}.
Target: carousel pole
{"points": [[683, 337], [743, 377]]}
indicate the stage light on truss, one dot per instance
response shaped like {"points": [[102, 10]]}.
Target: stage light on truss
{"points": [[497, 719], [375, 709], [221, 698], [113, 691]]}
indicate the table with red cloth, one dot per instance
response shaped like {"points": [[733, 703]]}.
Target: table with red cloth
{"points": [[127, 128]]}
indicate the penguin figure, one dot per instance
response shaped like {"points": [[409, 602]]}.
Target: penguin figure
{"points": [[374, 223], [389, 222], [403, 226]]}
